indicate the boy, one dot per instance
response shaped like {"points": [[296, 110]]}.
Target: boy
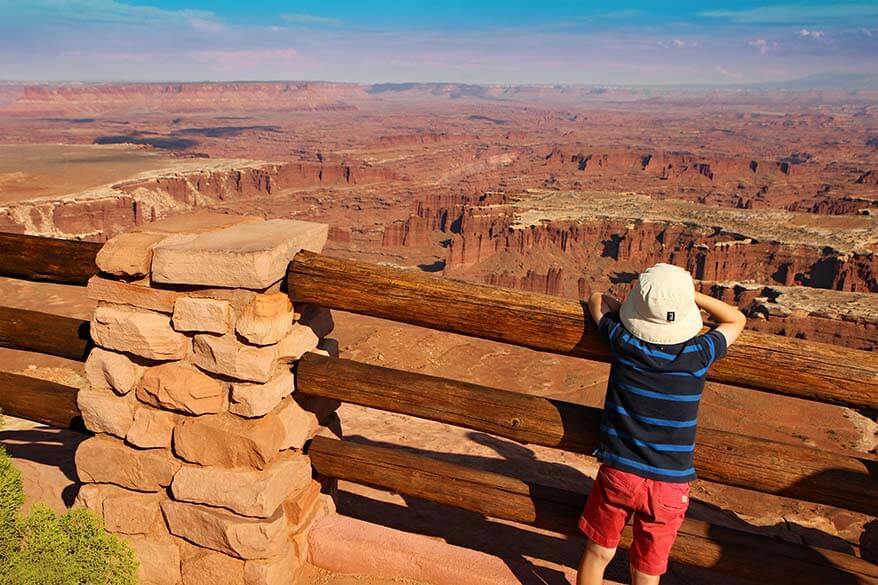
{"points": [[648, 425]]}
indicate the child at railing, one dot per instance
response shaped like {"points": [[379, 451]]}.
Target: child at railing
{"points": [[659, 363]]}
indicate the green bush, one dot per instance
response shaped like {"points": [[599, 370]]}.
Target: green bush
{"points": [[43, 548], [11, 500]]}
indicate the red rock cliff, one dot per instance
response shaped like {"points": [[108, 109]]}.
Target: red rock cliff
{"points": [[99, 214]]}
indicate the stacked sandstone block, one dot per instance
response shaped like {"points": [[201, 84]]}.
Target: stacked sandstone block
{"points": [[197, 455]]}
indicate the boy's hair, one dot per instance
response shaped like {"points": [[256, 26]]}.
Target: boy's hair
{"points": [[661, 307]]}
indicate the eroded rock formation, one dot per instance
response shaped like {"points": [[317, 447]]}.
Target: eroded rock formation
{"points": [[98, 214], [55, 99]]}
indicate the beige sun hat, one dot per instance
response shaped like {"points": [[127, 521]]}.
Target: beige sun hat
{"points": [[661, 307]]}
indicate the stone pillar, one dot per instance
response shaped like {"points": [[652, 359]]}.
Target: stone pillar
{"points": [[197, 456]]}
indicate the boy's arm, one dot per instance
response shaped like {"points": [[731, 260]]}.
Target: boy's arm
{"points": [[599, 304], [730, 321]]}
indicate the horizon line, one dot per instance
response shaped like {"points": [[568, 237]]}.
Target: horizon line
{"points": [[705, 85]]}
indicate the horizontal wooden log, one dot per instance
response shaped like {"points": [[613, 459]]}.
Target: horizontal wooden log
{"points": [[39, 400], [44, 333], [47, 259], [761, 361], [838, 479], [699, 544]]}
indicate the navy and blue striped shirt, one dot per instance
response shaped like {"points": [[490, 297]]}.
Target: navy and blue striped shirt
{"points": [[651, 408]]}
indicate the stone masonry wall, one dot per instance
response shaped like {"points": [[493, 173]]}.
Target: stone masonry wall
{"points": [[197, 456]]}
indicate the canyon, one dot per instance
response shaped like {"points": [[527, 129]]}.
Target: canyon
{"points": [[553, 190]]}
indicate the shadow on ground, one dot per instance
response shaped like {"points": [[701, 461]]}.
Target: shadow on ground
{"points": [[516, 543], [45, 457]]}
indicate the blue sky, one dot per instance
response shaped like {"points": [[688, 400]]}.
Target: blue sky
{"points": [[557, 41]]}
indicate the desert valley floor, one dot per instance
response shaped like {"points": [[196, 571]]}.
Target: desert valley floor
{"points": [[769, 198]]}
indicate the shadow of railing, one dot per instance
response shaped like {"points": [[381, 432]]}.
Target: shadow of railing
{"points": [[516, 544], [49, 447]]}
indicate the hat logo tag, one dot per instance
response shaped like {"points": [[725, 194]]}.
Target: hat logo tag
{"points": [[671, 316]]}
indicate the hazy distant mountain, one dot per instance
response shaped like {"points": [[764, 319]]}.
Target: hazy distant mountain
{"points": [[851, 81], [820, 81]]}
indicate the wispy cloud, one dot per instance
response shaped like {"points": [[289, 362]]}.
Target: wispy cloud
{"points": [[106, 12], [626, 13], [480, 43], [763, 45], [813, 34], [237, 59], [310, 19], [207, 25], [219, 56], [228, 63], [798, 13], [729, 73], [679, 44]]}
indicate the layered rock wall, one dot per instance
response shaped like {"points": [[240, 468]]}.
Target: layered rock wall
{"points": [[98, 98], [485, 241], [837, 206], [797, 182], [99, 214], [709, 254], [847, 320], [197, 458]]}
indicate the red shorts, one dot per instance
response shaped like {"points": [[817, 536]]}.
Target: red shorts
{"points": [[658, 508]]}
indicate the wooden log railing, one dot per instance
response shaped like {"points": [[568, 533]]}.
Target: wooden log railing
{"points": [[39, 400], [44, 333], [699, 544], [47, 259], [838, 479], [761, 361], [44, 260]]}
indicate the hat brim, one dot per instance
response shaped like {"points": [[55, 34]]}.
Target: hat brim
{"points": [[684, 328]]}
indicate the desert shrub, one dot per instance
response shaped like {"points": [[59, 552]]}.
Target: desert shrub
{"points": [[11, 500], [43, 548]]}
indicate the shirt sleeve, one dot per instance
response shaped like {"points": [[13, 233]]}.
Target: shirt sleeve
{"points": [[713, 346], [609, 326]]}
